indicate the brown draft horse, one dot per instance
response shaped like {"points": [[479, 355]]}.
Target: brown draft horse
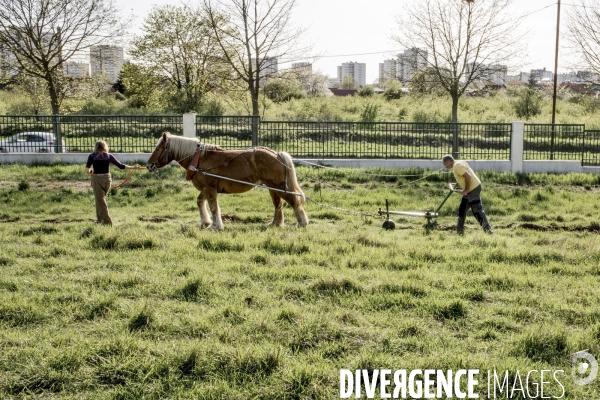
{"points": [[254, 165]]}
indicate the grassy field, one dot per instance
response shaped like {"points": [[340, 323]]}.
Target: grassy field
{"points": [[156, 308]]}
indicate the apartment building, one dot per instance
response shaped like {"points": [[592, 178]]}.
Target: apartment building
{"points": [[106, 60], [387, 70], [356, 70], [494, 74], [541, 75], [410, 62], [268, 67], [8, 63], [76, 69], [304, 66]]}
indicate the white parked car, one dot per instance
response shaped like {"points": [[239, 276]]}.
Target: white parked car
{"points": [[30, 142]]}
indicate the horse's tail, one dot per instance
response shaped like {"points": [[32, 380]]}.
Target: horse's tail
{"points": [[291, 179]]}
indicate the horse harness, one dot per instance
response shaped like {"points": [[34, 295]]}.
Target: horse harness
{"points": [[201, 152], [193, 167]]}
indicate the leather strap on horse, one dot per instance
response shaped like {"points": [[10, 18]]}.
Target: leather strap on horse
{"points": [[194, 163]]}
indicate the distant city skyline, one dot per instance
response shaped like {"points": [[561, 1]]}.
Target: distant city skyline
{"points": [[362, 34]]}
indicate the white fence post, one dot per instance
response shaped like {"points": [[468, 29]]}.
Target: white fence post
{"points": [[189, 125], [516, 146]]}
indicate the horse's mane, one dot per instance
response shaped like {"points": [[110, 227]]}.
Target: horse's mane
{"points": [[182, 146]]}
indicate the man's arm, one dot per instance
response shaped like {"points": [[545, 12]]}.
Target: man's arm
{"points": [[467, 183]]}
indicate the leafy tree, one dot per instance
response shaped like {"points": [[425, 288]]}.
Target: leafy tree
{"points": [[393, 94], [370, 113], [529, 101], [213, 107], [367, 91], [178, 43], [426, 82], [118, 86], [349, 82], [316, 85], [279, 91], [142, 86], [32, 95]]}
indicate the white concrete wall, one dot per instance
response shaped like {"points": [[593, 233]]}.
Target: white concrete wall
{"points": [[551, 166], [67, 158]]}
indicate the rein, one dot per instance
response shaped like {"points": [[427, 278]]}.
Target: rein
{"points": [[120, 184]]}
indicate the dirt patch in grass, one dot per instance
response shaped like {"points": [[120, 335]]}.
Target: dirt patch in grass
{"points": [[590, 228], [51, 220], [153, 219]]}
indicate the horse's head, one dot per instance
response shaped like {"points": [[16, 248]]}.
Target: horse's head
{"points": [[160, 157]]}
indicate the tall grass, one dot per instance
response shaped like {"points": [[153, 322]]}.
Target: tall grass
{"points": [[154, 307]]}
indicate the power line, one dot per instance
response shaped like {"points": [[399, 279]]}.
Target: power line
{"points": [[536, 11]]}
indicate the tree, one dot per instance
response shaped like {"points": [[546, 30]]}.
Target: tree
{"points": [[142, 86], [529, 101], [35, 97], [178, 43], [252, 35], [583, 21], [349, 82], [459, 41], [316, 85], [426, 81], [367, 91], [42, 34], [279, 91]]}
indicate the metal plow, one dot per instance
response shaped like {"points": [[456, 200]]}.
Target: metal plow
{"points": [[430, 215]]}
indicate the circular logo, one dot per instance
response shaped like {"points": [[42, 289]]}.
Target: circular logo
{"points": [[585, 368]]}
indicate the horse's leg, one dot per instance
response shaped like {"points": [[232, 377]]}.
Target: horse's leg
{"points": [[298, 207], [205, 220], [278, 204], [213, 204]]}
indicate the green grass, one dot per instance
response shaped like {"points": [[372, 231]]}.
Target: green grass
{"points": [[154, 307]]}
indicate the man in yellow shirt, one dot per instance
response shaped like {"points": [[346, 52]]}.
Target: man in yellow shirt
{"points": [[471, 191]]}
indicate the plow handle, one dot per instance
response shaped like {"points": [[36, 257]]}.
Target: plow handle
{"points": [[443, 201]]}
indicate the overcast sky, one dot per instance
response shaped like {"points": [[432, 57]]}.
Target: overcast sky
{"points": [[345, 30]]}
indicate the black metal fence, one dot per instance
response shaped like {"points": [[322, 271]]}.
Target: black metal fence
{"points": [[386, 140], [553, 142], [359, 139], [122, 133], [226, 131], [591, 148]]}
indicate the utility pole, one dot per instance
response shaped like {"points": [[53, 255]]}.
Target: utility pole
{"points": [[555, 83]]}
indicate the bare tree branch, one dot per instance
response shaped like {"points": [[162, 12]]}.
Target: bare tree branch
{"points": [[460, 42], [583, 32], [43, 34], [252, 35]]}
